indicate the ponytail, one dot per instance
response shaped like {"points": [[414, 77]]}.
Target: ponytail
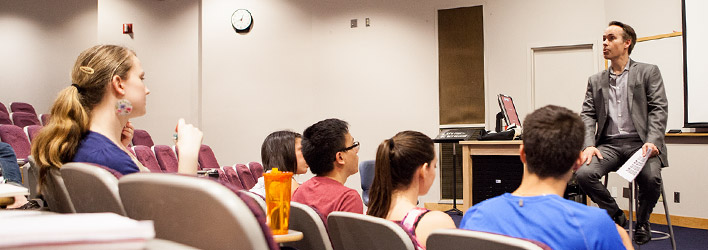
{"points": [[57, 142], [397, 160], [382, 187]]}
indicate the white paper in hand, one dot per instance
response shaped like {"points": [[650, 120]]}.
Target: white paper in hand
{"points": [[634, 165]]}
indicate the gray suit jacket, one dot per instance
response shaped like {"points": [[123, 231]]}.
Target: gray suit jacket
{"points": [[647, 105]]}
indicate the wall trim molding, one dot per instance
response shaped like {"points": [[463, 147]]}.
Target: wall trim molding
{"points": [[676, 220]]}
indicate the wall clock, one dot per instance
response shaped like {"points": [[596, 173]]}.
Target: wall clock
{"points": [[242, 20]]}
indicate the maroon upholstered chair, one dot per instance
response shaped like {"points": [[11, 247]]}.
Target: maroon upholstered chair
{"points": [[233, 177], [256, 169], [3, 109], [207, 159], [244, 173], [222, 176], [5, 118], [16, 137], [31, 131], [166, 158], [257, 211], [22, 107], [22, 119], [142, 137], [44, 118], [147, 158]]}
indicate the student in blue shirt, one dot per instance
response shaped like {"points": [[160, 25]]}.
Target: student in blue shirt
{"points": [[551, 151]]}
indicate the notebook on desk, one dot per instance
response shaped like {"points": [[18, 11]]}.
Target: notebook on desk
{"points": [[9, 190]]}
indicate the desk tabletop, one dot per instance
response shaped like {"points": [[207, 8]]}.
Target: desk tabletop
{"points": [[509, 142], [290, 237], [686, 134]]}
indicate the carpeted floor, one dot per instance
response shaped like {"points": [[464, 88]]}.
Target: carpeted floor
{"points": [[686, 238]]}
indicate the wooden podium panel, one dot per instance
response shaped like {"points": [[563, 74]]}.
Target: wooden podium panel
{"points": [[472, 148]]}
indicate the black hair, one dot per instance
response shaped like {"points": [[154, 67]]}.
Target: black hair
{"points": [[278, 151], [321, 142], [629, 33], [397, 160], [553, 139]]}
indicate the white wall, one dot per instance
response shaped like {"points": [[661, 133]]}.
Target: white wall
{"points": [[165, 38], [258, 82], [40, 42], [381, 79], [513, 27]]}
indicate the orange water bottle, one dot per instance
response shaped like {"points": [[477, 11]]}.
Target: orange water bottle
{"points": [[277, 185]]}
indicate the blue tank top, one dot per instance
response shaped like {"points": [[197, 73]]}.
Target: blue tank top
{"points": [[98, 149]]}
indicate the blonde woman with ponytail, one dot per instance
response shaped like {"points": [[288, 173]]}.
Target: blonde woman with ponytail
{"points": [[405, 169], [91, 117]]}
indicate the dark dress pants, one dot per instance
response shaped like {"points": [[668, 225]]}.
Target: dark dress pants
{"points": [[615, 153]]}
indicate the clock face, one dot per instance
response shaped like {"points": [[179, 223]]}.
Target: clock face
{"points": [[241, 20]]}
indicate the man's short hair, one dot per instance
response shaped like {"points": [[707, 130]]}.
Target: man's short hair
{"points": [[321, 142], [629, 33], [553, 139]]}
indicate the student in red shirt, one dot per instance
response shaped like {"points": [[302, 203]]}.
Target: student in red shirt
{"points": [[331, 153]]}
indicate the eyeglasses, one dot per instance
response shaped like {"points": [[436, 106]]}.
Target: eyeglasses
{"points": [[356, 144]]}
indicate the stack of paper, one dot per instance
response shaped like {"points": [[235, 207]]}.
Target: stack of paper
{"points": [[9, 190], [73, 231]]}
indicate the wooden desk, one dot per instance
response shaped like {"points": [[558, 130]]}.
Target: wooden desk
{"points": [[687, 134], [471, 148]]}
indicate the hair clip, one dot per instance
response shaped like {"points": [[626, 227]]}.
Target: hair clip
{"points": [[86, 69]]}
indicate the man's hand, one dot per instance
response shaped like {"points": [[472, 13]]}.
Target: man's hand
{"points": [[654, 149], [589, 152]]}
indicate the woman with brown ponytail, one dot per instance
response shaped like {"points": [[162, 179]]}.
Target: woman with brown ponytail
{"points": [[91, 117], [405, 169]]}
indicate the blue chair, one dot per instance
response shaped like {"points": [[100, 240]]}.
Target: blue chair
{"points": [[366, 170]]}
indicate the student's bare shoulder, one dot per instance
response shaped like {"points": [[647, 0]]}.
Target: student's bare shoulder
{"points": [[438, 218]]}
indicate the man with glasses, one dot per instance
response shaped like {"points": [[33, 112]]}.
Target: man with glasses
{"points": [[331, 153]]}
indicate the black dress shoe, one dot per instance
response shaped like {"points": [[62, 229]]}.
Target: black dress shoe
{"points": [[620, 219], [643, 233]]}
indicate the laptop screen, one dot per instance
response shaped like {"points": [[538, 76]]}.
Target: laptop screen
{"points": [[509, 110]]}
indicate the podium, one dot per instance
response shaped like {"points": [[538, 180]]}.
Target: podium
{"points": [[454, 136]]}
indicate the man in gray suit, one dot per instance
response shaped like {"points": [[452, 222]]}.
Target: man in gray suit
{"points": [[625, 109]]}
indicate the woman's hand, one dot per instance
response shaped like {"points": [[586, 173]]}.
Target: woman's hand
{"points": [[126, 136], [189, 140]]}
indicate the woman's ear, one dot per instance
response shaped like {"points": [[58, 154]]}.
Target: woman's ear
{"points": [[117, 84], [424, 169]]}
